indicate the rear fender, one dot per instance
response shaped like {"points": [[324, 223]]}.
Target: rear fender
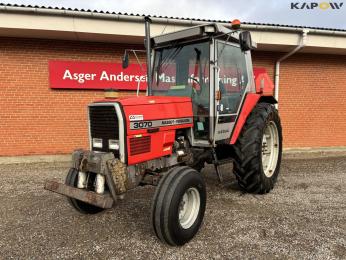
{"points": [[264, 93], [250, 102], [264, 84]]}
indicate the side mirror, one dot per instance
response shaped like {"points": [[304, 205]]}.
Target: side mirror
{"points": [[125, 60], [246, 41]]}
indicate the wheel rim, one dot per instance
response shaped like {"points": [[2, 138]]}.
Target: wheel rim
{"points": [[270, 149], [189, 208]]}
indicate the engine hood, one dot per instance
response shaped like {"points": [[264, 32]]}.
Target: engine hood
{"points": [[147, 100], [152, 110], [150, 124]]}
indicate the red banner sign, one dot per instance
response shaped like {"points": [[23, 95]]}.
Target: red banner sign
{"points": [[96, 75], [104, 75]]}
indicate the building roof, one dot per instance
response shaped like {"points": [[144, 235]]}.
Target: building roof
{"points": [[165, 17], [45, 22]]}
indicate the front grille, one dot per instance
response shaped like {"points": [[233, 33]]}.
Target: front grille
{"points": [[140, 145], [104, 125]]}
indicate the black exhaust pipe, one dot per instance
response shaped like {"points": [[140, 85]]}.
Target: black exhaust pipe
{"points": [[148, 50]]}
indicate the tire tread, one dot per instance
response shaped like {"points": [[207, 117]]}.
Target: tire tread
{"points": [[162, 201], [247, 150]]}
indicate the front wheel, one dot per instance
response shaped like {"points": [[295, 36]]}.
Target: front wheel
{"points": [[258, 150], [82, 207], [178, 206]]}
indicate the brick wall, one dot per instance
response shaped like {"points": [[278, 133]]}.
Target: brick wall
{"points": [[312, 98], [38, 120], [34, 118]]}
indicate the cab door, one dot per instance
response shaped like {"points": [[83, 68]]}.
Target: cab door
{"points": [[232, 82]]}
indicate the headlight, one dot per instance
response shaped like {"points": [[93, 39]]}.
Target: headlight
{"points": [[97, 142], [113, 144]]}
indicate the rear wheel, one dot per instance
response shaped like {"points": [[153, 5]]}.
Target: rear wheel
{"points": [[178, 206], [258, 150], [85, 208]]}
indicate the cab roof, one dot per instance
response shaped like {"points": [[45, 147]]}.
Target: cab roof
{"points": [[195, 33]]}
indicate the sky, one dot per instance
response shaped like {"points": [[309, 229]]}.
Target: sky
{"points": [[259, 11]]}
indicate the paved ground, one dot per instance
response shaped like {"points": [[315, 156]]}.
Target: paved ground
{"points": [[303, 217]]}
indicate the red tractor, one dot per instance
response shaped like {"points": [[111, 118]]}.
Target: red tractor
{"points": [[203, 105]]}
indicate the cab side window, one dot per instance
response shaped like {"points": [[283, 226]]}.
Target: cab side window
{"points": [[233, 77]]}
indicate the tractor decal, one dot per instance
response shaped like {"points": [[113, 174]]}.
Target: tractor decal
{"points": [[159, 123]]}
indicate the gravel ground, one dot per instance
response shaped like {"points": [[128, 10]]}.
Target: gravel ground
{"points": [[303, 217]]}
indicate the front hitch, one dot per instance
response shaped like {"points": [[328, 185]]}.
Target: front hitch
{"points": [[104, 201], [104, 164]]}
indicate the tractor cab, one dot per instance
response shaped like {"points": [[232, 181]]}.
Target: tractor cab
{"points": [[211, 64]]}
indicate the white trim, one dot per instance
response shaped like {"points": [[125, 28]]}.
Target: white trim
{"points": [[121, 127], [90, 26], [166, 21]]}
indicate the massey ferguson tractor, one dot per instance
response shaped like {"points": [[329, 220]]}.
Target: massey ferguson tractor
{"points": [[204, 104]]}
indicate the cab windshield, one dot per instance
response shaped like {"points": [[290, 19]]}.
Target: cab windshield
{"points": [[183, 70]]}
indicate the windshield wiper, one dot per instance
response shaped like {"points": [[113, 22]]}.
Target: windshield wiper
{"points": [[158, 71]]}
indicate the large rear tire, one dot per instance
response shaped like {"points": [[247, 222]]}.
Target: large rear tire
{"points": [[178, 206], [82, 207], [258, 150]]}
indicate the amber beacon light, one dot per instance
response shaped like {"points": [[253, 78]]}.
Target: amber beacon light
{"points": [[235, 24]]}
